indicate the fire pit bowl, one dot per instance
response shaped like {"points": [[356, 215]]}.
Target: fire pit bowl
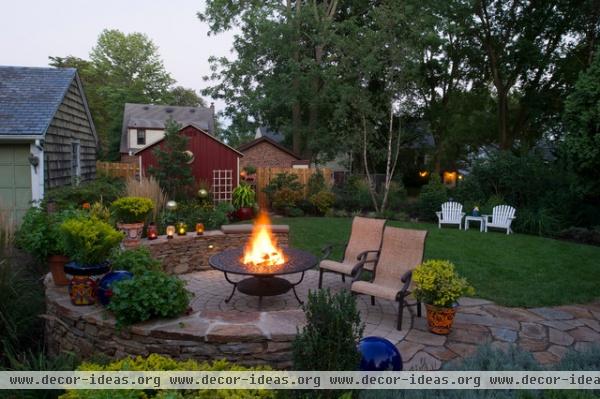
{"points": [[263, 280]]}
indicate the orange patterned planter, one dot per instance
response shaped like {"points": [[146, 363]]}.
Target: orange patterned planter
{"points": [[440, 319]]}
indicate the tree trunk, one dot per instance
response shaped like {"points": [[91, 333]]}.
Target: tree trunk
{"points": [[503, 120]]}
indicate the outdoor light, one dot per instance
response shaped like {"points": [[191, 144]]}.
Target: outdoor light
{"points": [[181, 229], [243, 174], [202, 193], [423, 173], [170, 231], [199, 229], [152, 232], [171, 205], [210, 246]]}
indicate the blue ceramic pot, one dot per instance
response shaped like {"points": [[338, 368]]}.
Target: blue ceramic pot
{"points": [[78, 269], [379, 354], [105, 286]]}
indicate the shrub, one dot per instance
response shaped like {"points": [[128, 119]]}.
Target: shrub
{"points": [[323, 201], [329, 339], [286, 198], [537, 220], [147, 187], [353, 195], [88, 241], [249, 169], [431, 198], [294, 212], [396, 195], [243, 196], [137, 261], [282, 180], [149, 295], [132, 209], [438, 283], [156, 362], [103, 189], [193, 212], [316, 183], [581, 235]]}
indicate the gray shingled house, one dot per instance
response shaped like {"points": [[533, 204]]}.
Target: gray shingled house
{"points": [[47, 137], [144, 124]]}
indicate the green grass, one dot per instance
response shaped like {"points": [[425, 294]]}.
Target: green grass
{"points": [[515, 270]]}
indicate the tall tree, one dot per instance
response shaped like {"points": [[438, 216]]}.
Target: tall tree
{"points": [[182, 96]]}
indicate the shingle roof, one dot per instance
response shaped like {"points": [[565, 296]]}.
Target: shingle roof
{"points": [[266, 139], [154, 116], [29, 98]]}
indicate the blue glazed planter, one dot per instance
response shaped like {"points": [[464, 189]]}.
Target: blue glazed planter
{"points": [[379, 354], [77, 269], [105, 286]]}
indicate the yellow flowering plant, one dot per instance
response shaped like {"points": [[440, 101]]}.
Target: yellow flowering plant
{"points": [[439, 284]]}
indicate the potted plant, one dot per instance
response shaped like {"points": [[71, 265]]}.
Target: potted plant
{"points": [[130, 213], [88, 242], [439, 286], [243, 198]]}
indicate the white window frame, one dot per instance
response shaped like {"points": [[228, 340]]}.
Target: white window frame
{"points": [[222, 185]]}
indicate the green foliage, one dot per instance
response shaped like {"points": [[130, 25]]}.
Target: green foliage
{"points": [[323, 201], [587, 360], [103, 189], [243, 196], [432, 196], [353, 195], [88, 241], [285, 198], [173, 172], [137, 261], [21, 302], [437, 283], [541, 221], [156, 362], [149, 295], [330, 338], [250, 169], [316, 183], [192, 212], [282, 180], [294, 212], [581, 235], [132, 209]]}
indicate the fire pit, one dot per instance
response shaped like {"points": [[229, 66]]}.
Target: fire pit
{"points": [[263, 261]]}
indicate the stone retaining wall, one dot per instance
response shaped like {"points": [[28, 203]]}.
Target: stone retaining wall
{"points": [[185, 254], [249, 339]]}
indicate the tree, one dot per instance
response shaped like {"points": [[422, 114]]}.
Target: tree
{"points": [[582, 138], [173, 171], [182, 96]]}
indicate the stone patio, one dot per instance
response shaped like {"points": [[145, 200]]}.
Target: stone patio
{"points": [[546, 332]]}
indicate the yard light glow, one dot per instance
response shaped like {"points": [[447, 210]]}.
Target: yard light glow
{"points": [[210, 246], [181, 229], [423, 173], [170, 231], [199, 229], [152, 232], [171, 205]]}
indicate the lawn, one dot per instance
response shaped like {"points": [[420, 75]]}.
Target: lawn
{"points": [[515, 270]]}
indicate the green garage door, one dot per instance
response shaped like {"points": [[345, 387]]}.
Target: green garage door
{"points": [[15, 179]]}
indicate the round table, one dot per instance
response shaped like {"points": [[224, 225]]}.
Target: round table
{"points": [[263, 280]]}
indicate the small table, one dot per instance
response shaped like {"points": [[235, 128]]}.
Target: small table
{"points": [[263, 281], [480, 219]]}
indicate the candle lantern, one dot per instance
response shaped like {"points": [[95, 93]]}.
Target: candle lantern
{"points": [[181, 229], [199, 229], [171, 205], [152, 232], [170, 231]]}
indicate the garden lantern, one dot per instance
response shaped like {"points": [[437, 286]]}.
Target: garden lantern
{"points": [[202, 193], [170, 231], [171, 205], [181, 229], [152, 232], [199, 229], [423, 173]]}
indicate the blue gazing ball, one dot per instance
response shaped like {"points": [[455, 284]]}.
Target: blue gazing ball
{"points": [[379, 354]]}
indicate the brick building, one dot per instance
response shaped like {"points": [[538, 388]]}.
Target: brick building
{"points": [[267, 153]]}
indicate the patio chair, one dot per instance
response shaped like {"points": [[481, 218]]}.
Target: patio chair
{"points": [[501, 218], [451, 213], [401, 251], [363, 245]]}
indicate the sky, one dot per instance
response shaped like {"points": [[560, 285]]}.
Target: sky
{"points": [[31, 31]]}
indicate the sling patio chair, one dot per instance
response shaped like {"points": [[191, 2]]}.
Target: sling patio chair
{"points": [[401, 251], [363, 246]]}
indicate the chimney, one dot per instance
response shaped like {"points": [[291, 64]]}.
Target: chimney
{"points": [[212, 108]]}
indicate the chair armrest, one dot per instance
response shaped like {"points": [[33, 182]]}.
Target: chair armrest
{"points": [[486, 217], [463, 214], [439, 214], [406, 279], [364, 254], [326, 251], [357, 270]]}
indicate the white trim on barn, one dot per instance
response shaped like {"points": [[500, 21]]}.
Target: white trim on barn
{"points": [[37, 173]]}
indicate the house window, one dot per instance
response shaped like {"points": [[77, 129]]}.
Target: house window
{"points": [[141, 137], [75, 162], [222, 185]]}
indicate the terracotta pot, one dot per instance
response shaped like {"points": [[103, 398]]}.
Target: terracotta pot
{"points": [[245, 213], [56, 263], [440, 319], [133, 233]]}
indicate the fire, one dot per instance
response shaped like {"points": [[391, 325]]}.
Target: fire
{"points": [[262, 248]]}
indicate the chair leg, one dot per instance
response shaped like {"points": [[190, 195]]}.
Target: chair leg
{"points": [[321, 271], [372, 301], [343, 278], [418, 308], [400, 311]]}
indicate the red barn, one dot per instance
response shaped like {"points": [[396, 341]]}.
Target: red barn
{"points": [[213, 161]]}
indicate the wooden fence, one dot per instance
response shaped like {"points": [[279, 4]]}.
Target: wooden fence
{"points": [[118, 169], [264, 176]]}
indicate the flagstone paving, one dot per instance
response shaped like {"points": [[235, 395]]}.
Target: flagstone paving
{"points": [[548, 332]]}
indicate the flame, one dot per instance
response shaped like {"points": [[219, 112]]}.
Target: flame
{"points": [[262, 250]]}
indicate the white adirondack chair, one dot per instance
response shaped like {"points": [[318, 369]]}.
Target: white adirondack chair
{"points": [[501, 218], [451, 213]]}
